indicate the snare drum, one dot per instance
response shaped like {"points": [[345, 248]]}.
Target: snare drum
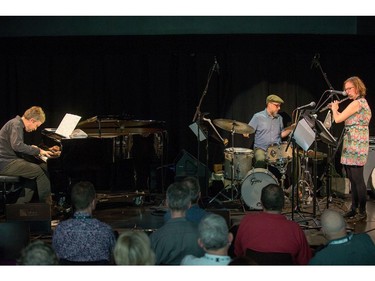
{"points": [[253, 184], [242, 162], [276, 153]]}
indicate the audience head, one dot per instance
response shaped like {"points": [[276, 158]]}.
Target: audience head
{"points": [[333, 224], [195, 190], [178, 196], [214, 233], [272, 198], [133, 248], [38, 253], [83, 195]]}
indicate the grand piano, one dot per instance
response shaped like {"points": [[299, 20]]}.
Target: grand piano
{"points": [[117, 155]]}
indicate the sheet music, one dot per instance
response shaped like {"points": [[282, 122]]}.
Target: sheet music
{"points": [[304, 135], [68, 125]]}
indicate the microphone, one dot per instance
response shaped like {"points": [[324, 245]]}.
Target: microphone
{"points": [[216, 67], [338, 92], [311, 104]]}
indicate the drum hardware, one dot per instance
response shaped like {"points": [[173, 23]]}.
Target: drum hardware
{"points": [[234, 169], [305, 183]]}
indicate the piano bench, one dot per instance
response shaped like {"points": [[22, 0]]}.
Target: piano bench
{"points": [[8, 185]]}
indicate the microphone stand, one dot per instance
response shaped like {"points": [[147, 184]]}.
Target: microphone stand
{"points": [[197, 119], [317, 63], [294, 166]]}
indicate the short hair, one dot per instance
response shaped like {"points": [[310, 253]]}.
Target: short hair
{"points": [[82, 194], [358, 84], [133, 248], [194, 186], [35, 112], [213, 232], [178, 196], [332, 222], [272, 197], [38, 253]]}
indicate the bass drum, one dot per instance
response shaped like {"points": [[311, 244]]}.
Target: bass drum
{"points": [[253, 184]]}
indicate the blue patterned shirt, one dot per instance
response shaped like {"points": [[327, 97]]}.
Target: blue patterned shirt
{"points": [[83, 239]]}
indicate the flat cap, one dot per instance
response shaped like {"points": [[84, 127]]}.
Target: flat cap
{"points": [[274, 98]]}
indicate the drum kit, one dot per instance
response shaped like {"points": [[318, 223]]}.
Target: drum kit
{"points": [[238, 167]]}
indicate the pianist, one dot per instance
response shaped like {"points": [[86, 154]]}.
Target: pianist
{"points": [[13, 149]]}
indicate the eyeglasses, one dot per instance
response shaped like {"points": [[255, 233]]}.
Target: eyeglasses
{"points": [[348, 89], [276, 104]]}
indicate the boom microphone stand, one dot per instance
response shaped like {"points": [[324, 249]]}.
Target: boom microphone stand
{"points": [[198, 118]]}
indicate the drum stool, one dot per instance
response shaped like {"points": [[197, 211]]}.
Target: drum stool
{"points": [[8, 185]]}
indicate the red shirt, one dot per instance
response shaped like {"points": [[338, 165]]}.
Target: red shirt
{"points": [[265, 232]]}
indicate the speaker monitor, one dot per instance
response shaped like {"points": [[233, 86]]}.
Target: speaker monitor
{"points": [[188, 165], [369, 166], [37, 215]]}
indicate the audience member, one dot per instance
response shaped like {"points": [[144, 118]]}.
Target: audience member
{"points": [[178, 236], [271, 232], [195, 213], [82, 238], [133, 248], [214, 239], [38, 253], [243, 260], [343, 248]]}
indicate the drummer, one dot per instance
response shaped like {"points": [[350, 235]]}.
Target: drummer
{"points": [[269, 129]]}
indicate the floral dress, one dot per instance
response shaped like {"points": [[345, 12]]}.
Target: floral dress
{"points": [[356, 138]]}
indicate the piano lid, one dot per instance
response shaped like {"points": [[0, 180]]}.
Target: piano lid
{"points": [[111, 126]]}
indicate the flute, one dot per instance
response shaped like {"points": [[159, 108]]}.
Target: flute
{"points": [[328, 105]]}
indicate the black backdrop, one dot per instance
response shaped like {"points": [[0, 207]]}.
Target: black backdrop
{"points": [[163, 77]]}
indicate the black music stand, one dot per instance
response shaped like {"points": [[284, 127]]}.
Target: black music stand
{"points": [[304, 136], [327, 138]]}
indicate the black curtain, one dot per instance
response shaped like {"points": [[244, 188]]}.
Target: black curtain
{"points": [[163, 78]]}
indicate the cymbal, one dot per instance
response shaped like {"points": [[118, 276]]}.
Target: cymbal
{"points": [[311, 154], [236, 126], [291, 127]]}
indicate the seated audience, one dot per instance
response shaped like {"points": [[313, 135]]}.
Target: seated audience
{"points": [[243, 260], [194, 213], [133, 248], [271, 232], [177, 237], [215, 239], [38, 253], [343, 248], [83, 239]]}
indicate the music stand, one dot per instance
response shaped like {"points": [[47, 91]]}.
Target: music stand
{"points": [[324, 134], [304, 136]]}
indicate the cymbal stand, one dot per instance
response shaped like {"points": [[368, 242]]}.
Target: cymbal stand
{"points": [[233, 186]]}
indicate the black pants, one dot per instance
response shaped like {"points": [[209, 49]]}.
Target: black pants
{"points": [[358, 187]]}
